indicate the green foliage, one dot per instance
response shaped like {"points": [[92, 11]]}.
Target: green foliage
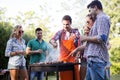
{"points": [[115, 55], [115, 68], [29, 34], [5, 30], [112, 8]]}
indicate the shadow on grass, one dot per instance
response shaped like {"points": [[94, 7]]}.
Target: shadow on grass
{"points": [[115, 77]]}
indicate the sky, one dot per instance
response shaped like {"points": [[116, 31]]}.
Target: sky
{"points": [[15, 6]]}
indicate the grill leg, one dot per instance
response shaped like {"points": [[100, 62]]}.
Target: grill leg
{"points": [[73, 71], [57, 75], [46, 75], [29, 71]]}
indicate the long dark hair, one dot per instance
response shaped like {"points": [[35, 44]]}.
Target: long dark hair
{"points": [[92, 17]]}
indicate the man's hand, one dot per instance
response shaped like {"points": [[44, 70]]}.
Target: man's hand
{"points": [[53, 43], [83, 38], [39, 51], [77, 56], [73, 53], [108, 65]]}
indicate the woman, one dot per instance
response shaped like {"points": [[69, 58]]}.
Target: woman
{"points": [[90, 19], [15, 50]]}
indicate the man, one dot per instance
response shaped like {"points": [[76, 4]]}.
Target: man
{"points": [[37, 49], [96, 51], [68, 40]]}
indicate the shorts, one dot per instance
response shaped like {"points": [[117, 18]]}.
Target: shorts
{"points": [[16, 67]]}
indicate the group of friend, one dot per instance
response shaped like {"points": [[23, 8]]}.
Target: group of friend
{"points": [[91, 48]]}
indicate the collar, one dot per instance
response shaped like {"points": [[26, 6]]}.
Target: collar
{"points": [[101, 13], [38, 40], [69, 31]]}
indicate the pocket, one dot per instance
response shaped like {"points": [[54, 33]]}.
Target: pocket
{"points": [[15, 47]]}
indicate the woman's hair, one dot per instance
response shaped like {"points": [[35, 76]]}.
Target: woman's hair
{"points": [[92, 17], [15, 31]]}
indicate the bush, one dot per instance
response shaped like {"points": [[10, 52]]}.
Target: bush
{"points": [[115, 68], [5, 31], [115, 60]]}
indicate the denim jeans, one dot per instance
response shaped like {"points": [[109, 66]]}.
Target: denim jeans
{"points": [[39, 75], [95, 70]]}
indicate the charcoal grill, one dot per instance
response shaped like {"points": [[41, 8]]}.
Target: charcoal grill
{"points": [[54, 67]]}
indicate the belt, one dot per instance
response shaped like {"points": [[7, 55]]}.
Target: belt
{"points": [[93, 57]]}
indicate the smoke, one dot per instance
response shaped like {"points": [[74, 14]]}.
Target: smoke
{"points": [[53, 54]]}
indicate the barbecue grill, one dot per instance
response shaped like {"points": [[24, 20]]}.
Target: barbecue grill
{"points": [[53, 67]]}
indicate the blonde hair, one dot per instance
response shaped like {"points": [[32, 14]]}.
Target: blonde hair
{"points": [[15, 31]]}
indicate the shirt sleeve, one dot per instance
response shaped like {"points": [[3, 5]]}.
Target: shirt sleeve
{"points": [[46, 47], [29, 44], [56, 36], [103, 27], [8, 49], [78, 35], [77, 39]]}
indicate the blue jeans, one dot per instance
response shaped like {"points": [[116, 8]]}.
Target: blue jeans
{"points": [[39, 75], [95, 70]]}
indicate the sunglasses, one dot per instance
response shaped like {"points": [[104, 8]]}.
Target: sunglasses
{"points": [[88, 22], [21, 32]]}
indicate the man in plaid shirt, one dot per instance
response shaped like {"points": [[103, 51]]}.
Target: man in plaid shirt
{"points": [[96, 51]]}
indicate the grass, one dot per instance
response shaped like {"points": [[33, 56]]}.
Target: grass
{"points": [[113, 77], [51, 78]]}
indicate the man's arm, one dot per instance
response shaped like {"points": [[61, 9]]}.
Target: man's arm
{"points": [[76, 50], [89, 38], [55, 38], [54, 43], [103, 27], [29, 51]]}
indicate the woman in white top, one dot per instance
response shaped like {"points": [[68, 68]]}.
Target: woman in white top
{"points": [[15, 50]]}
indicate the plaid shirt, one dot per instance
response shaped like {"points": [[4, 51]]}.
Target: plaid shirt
{"points": [[100, 29], [72, 31]]}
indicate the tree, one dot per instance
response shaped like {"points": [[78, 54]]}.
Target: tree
{"points": [[5, 31], [112, 8]]}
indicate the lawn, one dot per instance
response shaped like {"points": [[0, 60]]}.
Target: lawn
{"points": [[113, 77]]}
